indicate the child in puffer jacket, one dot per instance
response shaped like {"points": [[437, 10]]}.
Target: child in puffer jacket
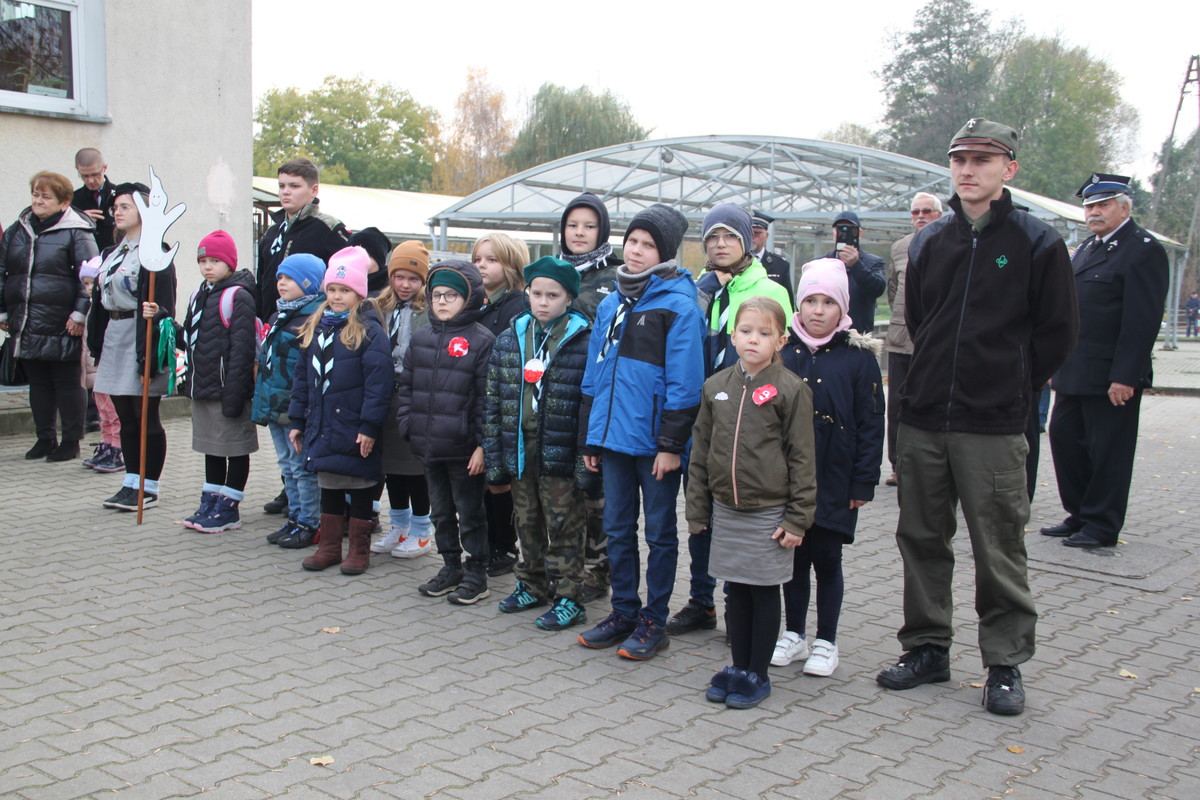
{"points": [[220, 334], [298, 280], [441, 413]]}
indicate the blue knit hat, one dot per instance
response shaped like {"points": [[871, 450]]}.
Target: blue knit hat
{"points": [[305, 269], [730, 216]]}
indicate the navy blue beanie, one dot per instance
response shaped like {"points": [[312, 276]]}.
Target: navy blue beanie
{"points": [[733, 217]]}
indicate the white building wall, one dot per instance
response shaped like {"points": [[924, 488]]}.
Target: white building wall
{"points": [[179, 98]]}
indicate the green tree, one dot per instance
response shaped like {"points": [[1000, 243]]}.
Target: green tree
{"points": [[563, 122], [852, 133], [1178, 211], [356, 130], [474, 149], [1067, 109], [939, 76]]}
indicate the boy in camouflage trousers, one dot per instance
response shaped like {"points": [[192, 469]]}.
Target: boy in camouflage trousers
{"points": [[530, 430]]}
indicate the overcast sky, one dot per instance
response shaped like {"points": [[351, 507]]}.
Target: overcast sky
{"points": [[789, 69]]}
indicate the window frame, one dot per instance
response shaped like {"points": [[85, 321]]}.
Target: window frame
{"points": [[88, 64]]}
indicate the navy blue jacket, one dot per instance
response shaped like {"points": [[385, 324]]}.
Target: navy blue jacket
{"points": [[848, 410], [357, 400]]}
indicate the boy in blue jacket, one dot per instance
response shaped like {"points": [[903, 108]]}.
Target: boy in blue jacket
{"points": [[641, 392]]}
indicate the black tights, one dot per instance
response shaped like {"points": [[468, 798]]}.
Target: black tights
{"points": [[822, 552], [753, 625], [333, 501], [129, 411], [408, 490], [233, 471]]}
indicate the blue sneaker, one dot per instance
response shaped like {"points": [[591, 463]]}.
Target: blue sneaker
{"points": [[747, 690], [645, 642], [520, 600], [564, 614], [718, 688], [222, 517], [613, 629], [207, 500], [284, 531]]}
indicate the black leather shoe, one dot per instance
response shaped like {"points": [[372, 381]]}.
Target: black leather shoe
{"points": [[67, 451], [1086, 540], [41, 448], [926, 663], [692, 617], [1003, 693], [1061, 529]]}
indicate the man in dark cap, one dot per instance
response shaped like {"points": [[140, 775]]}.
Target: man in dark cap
{"points": [[867, 272], [778, 268], [1121, 278], [990, 306]]}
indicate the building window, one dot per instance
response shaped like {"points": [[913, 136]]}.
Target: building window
{"points": [[52, 58]]}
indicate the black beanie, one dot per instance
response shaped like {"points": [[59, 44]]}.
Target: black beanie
{"points": [[375, 243], [664, 224], [585, 200]]}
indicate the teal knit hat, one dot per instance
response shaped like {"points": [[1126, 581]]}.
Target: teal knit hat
{"points": [[450, 279], [556, 270]]}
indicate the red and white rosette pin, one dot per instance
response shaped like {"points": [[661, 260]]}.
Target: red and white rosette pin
{"points": [[763, 393], [534, 370], [458, 347]]}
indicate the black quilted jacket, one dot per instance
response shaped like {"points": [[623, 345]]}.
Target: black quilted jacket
{"points": [[221, 359]]}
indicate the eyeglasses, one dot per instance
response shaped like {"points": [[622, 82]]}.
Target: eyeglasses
{"points": [[917, 212], [444, 297], [723, 238]]}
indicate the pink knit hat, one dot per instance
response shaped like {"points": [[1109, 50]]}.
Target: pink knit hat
{"points": [[348, 267], [218, 245], [825, 276]]}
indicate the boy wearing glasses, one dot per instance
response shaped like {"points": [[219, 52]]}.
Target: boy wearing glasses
{"points": [[441, 414]]}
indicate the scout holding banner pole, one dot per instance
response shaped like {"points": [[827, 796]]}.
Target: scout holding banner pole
{"points": [[155, 221]]}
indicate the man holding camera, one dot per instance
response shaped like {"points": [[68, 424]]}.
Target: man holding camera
{"points": [[867, 273]]}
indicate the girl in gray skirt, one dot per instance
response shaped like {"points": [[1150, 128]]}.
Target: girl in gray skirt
{"points": [[752, 479]]}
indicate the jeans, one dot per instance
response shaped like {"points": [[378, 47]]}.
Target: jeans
{"points": [[456, 508], [304, 496], [626, 476]]}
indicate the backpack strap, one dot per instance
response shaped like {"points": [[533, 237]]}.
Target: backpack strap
{"points": [[226, 304]]}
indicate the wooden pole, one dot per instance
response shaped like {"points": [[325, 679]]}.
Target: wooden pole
{"points": [[145, 404]]}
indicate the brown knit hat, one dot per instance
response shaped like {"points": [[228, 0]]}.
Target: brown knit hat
{"points": [[412, 256]]}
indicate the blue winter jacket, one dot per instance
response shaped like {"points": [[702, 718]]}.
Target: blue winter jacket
{"points": [[847, 400], [277, 363], [642, 398], [357, 400]]}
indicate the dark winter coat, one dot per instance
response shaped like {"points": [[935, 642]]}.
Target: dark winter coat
{"points": [[496, 317], [360, 387], [558, 406], [848, 420], [992, 315], [164, 297], [310, 232], [84, 199], [221, 359], [277, 364], [442, 386], [40, 288]]}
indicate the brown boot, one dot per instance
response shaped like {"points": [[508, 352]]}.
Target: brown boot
{"points": [[360, 547], [329, 544]]}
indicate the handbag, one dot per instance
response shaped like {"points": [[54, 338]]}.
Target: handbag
{"points": [[11, 372]]}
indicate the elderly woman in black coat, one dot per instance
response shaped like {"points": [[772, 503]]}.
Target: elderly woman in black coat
{"points": [[43, 306]]}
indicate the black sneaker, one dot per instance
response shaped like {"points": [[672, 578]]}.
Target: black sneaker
{"points": [[1003, 693], [613, 629], [300, 537], [285, 530], [926, 663], [445, 582], [279, 505], [501, 564], [692, 617], [127, 500], [471, 589]]}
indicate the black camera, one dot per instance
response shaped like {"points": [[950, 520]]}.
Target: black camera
{"points": [[847, 234]]}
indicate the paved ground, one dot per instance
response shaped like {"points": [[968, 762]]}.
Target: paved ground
{"points": [[154, 662]]}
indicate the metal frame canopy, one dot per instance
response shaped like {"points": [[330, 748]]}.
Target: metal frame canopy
{"points": [[803, 183]]}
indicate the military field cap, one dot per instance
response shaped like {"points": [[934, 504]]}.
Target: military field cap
{"points": [[987, 136], [1102, 187], [760, 219]]}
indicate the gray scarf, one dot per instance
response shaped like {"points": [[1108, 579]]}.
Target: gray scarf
{"points": [[631, 285]]}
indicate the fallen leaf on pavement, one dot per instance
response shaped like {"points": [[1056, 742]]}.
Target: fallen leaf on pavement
{"points": [[1126, 674], [1111, 611], [321, 761], [1012, 748], [976, 685], [331, 630]]}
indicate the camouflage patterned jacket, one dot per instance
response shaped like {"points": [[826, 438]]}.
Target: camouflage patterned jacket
{"points": [[558, 409]]}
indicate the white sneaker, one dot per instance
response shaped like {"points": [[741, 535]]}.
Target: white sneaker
{"points": [[824, 659], [388, 543], [411, 547], [790, 647]]}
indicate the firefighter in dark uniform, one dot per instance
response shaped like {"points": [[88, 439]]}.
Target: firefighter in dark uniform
{"points": [[778, 268], [1121, 278]]}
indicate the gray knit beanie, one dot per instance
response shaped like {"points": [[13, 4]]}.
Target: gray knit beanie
{"points": [[664, 224]]}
